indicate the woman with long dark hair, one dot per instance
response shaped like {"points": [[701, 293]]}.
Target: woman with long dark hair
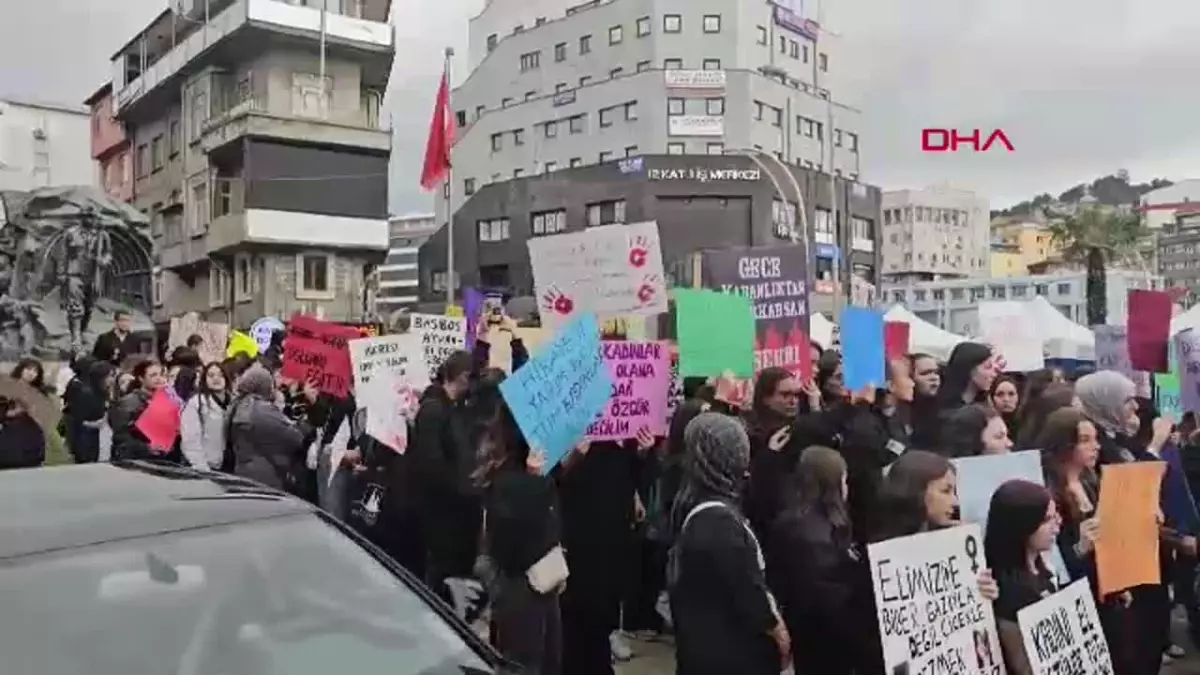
{"points": [[202, 423], [1023, 524], [1036, 408], [769, 421], [521, 532], [1005, 397], [973, 430], [128, 441], [88, 397], [927, 378], [814, 568], [967, 377], [31, 372]]}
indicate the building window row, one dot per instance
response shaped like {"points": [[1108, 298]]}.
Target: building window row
{"points": [[926, 214], [671, 23], [680, 148], [494, 229], [548, 222], [712, 106]]}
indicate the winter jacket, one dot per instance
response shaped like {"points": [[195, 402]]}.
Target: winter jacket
{"points": [[264, 441], [202, 432]]}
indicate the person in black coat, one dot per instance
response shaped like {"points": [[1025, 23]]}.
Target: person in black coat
{"points": [[773, 458], [22, 441], [816, 570], [117, 344], [88, 398], [967, 377]]}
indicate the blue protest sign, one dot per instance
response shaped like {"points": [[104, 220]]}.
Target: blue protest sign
{"points": [[863, 352], [561, 390]]}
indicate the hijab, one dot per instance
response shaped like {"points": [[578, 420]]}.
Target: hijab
{"points": [[717, 457], [1103, 395], [257, 381]]}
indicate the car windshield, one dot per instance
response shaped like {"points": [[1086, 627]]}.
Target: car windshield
{"points": [[282, 596]]}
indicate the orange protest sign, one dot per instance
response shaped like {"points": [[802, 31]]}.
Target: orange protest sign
{"points": [[1127, 550]]}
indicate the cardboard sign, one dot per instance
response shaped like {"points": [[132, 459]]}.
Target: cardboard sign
{"points": [[1062, 633], [641, 374], [318, 351], [440, 337]]}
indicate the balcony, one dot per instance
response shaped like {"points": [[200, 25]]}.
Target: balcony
{"points": [[269, 15], [293, 228], [258, 117]]}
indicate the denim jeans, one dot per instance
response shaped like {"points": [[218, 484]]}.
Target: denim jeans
{"points": [[332, 495]]}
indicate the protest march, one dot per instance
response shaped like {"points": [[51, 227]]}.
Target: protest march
{"points": [[728, 480]]}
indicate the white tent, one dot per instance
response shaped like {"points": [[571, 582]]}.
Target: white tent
{"points": [[924, 336], [1186, 320], [820, 330], [1062, 338]]}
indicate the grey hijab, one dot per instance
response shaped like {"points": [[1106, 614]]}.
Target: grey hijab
{"points": [[257, 381], [716, 459], [1103, 395]]}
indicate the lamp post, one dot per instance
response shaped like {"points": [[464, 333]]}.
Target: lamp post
{"points": [[757, 157]]}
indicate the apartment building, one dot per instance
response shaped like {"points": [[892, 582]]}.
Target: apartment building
{"points": [[258, 154], [43, 144], [110, 145], [935, 233], [550, 89], [399, 275], [1017, 245]]}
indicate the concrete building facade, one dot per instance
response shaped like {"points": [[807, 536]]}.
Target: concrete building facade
{"points": [[258, 154], [399, 277], [43, 144], [1179, 251], [935, 233], [698, 202], [110, 146], [953, 304], [550, 89]]}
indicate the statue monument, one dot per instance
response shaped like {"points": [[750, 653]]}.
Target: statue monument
{"points": [[68, 255]]}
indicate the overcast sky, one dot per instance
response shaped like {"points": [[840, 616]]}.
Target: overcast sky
{"points": [[1081, 87]]}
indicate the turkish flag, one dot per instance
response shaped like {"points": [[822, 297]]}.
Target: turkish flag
{"points": [[441, 139]]}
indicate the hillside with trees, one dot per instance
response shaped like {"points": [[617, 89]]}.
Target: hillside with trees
{"points": [[1111, 190]]}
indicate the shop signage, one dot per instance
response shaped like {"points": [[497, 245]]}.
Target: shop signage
{"points": [[704, 174], [790, 20], [694, 79], [709, 126]]}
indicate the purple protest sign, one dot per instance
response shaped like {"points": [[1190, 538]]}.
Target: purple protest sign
{"points": [[641, 375], [1187, 347]]}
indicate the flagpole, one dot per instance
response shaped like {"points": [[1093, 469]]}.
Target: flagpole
{"points": [[446, 195]]}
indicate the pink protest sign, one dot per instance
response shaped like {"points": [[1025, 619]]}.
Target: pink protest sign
{"points": [[641, 375]]}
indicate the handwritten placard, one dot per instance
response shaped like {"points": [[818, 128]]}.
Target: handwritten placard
{"points": [[1112, 349], [641, 376], [1187, 349], [1062, 634], [675, 393], [440, 337], [1012, 334], [931, 616], [392, 354], [384, 371], [560, 390], [214, 336], [609, 270], [318, 351]]}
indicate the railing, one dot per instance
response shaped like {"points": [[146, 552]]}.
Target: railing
{"points": [[360, 118]]}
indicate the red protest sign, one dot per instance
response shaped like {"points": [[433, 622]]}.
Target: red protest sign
{"points": [[895, 339], [1149, 329], [316, 351], [159, 422]]}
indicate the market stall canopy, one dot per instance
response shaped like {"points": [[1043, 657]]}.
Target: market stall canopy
{"points": [[924, 337], [1062, 338]]}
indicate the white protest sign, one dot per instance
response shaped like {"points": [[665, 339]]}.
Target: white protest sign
{"points": [[440, 337], [1013, 335], [1112, 349], [1062, 634], [611, 270], [932, 618], [384, 370], [675, 393], [214, 336]]}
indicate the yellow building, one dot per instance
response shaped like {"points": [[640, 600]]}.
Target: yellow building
{"points": [[1017, 245]]}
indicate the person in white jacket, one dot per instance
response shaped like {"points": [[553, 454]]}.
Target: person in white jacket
{"points": [[202, 422]]}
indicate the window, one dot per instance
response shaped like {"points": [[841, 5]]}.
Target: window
{"points": [[711, 64], [672, 23], [197, 115], [675, 106], [716, 148], [218, 286], [173, 138], [575, 124], [141, 161], [606, 156], [615, 35], [575, 162], [518, 173], [199, 208], [631, 150], [314, 274], [615, 73], [762, 35], [243, 278], [495, 229], [310, 95], [548, 222], [672, 64], [551, 167], [714, 106], [528, 97], [606, 118], [156, 220], [852, 142], [497, 143], [491, 41], [550, 129], [585, 44], [643, 66], [631, 111], [468, 186], [479, 110], [674, 148], [560, 87], [518, 136], [712, 23], [531, 61], [643, 26], [837, 138], [783, 218], [823, 62], [560, 52], [585, 80], [156, 290], [460, 118], [606, 213], [222, 197]]}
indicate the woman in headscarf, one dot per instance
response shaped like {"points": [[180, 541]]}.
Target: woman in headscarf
{"points": [[725, 618], [264, 441], [967, 378]]}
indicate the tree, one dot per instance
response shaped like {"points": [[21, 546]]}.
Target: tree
{"points": [[1095, 236]]}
